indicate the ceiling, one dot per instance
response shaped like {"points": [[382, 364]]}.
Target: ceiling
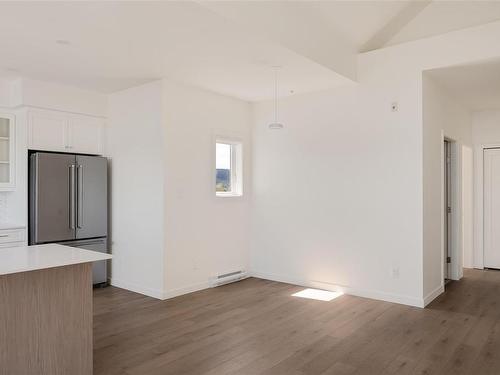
{"points": [[224, 46], [440, 17], [115, 45], [476, 86]]}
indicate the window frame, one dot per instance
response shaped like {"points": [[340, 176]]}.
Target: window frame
{"points": [[236, 167]]}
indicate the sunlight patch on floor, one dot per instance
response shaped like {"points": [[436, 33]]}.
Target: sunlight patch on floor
{"points": [[317, 294]]}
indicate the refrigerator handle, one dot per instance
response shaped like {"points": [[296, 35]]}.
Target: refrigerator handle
{"points": [[72, 196], [79, 220]]}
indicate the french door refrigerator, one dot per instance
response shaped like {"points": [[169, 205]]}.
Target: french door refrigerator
{"points": [[68, 200]]}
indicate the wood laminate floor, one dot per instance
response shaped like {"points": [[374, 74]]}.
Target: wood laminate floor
{"points": [[257, 327]]}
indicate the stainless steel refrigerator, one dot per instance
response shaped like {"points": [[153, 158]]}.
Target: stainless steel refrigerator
{"points": [[68, 203]]}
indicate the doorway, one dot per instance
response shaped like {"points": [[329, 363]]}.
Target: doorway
{"points": [[447, 209]]}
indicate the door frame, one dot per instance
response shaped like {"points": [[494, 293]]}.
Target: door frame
{"points": [[478, 253], [455, 269], [447, 202]]}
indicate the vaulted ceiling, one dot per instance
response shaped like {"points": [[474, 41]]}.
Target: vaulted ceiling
{"points": [[227, 46]]}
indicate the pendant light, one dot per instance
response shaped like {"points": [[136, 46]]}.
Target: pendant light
{"points": [[276, 125]]}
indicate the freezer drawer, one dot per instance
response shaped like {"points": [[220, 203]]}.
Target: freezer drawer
{"points": [[99, 269]]}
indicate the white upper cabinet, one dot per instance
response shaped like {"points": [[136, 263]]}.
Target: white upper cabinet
{"points": [[85, 134], [65, 132], [7, 152], [48, 130]]}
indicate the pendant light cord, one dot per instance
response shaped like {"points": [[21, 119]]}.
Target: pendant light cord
{"points": [[276, 95]]}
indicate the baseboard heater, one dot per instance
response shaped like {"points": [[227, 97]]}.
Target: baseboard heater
{"points": [[227, 278]]}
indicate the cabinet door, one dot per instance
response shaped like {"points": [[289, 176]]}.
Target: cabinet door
{"points": [[85, 134], [47, 130], [7, 152]]}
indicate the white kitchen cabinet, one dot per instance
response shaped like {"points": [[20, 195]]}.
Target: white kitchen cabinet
{"points": [[65, 132], [85, 134], [7, 152], [48, 130], [12, 237]]}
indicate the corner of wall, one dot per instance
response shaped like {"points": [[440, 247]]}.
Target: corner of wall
{"points": [[432, 295]]}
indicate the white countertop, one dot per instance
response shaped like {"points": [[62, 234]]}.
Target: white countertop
{"points": [[38, 257], [11, 226]]}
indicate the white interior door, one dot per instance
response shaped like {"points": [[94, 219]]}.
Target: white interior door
{"points": [[492, 208]]}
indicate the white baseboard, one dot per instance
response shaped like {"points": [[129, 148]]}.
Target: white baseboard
{"points": [[432, 295], [373, 294], [137, 288], [185, 290]]}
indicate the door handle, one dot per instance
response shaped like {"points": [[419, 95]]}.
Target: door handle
{"points": [[79, 219], [72, 196]]}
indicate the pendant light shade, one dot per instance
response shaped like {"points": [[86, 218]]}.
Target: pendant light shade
{"points": [[276, 125]]}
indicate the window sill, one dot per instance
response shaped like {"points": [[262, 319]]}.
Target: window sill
{"points": [[228, 195]]}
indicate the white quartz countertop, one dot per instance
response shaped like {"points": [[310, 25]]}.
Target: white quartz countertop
{"points": [[38, 257]]}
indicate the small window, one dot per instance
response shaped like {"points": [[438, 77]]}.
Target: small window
{"points": [[228, 166]]}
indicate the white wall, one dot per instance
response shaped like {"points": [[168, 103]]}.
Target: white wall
{"points": [[443, 117], [5, 91], [170, 233], [134, 144], [485, 132], [468, 206], [339, 194], [49, 95], [204, 235], [335, 195]]}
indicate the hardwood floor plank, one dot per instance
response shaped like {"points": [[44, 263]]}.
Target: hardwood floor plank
{"points": [[256, 327]]}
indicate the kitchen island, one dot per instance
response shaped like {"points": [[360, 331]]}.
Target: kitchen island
{"points": [[46, 310]]}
